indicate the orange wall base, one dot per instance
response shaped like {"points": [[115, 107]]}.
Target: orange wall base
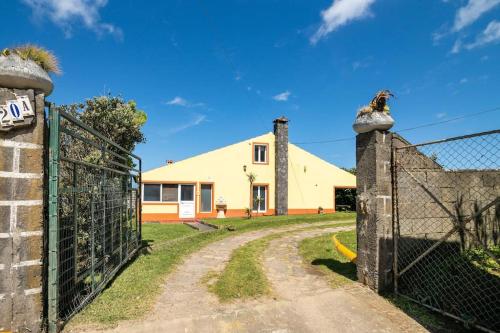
{"points": [[174, 218]]}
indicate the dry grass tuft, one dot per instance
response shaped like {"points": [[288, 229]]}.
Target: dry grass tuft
{"points": [[44, 58]]}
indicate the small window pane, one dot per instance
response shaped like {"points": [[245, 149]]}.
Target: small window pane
{"points": [[256, 153], [206, 198], [262, 154], [152, 192], [170, 193], [255, 194], [262, 199], [187, 193]]}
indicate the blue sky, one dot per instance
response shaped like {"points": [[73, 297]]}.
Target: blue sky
{"points": [[211, 73]]}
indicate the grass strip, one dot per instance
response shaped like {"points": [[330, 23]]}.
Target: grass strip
{"points": [[243, 277], [132, 294], [322, 255]]}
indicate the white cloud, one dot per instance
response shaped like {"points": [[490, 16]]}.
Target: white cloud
{"points": [[463, 80], [340, 13], [283, 97], [440, 115], [469, 13], [179, 101], [65, 13], [197, 120], [491, 34]]}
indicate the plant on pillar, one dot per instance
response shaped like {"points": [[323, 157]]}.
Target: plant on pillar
{"points": [[376, 115], [27, 67]]}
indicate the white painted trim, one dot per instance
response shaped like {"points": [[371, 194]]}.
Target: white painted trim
{"points": [[15, 144], [6, 174], [21, 203], [30, 233], [13, 219], [15, 159], [33, 291], [21, 234], [36, 262]]}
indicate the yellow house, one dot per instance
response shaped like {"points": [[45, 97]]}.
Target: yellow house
{"points": [[288, 180]]}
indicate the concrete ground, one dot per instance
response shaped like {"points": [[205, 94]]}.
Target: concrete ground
{"points": [[302, 300]]}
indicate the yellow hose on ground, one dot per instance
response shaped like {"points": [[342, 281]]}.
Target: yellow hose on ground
{"points": [[344, 250]]}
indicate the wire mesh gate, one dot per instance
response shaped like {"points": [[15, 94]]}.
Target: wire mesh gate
{"points": [[446, 226], [94, 213]]}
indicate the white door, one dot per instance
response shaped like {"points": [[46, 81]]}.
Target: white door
{"points": [[186, 201]]}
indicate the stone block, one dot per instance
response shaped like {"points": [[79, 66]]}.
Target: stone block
{"points": [[4, 219], [31, 160], [5, 251], [27, 277], [31, 248], [21, 189], [6, 313], [6, 154], [27, 313], [29, 218]]}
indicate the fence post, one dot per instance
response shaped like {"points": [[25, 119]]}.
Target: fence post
{"points": [[53, 307], [374, 210]]}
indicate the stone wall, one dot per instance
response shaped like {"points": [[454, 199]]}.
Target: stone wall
{"points": [[21, 220], [281, 165]]}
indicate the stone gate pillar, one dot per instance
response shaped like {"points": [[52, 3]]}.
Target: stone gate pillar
{"points": [[374, 210], [23, 86]]}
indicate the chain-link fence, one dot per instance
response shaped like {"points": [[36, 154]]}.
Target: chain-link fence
{"points": [[94, 208], [447, 213]]}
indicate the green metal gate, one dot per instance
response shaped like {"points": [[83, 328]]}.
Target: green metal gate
{"points": [[94, 214]]}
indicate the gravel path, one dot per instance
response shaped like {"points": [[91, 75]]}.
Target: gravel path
{"points": [[303, 301]]}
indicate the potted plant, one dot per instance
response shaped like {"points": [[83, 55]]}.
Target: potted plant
{"points": [[320, 210], [376, 115], [27, 67]]}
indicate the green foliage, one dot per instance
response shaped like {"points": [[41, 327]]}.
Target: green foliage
{"points": [[117, 119], [345, 198], [44, 58], [350, 170]]}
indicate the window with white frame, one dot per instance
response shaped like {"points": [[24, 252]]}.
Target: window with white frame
{"points": [[160, 192], [259, 198], [260, 153]]}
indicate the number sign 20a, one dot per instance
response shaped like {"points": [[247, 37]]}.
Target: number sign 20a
{"points": [[16, 113]]}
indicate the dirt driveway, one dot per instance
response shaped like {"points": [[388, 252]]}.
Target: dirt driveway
{"points": [[302, 302]]}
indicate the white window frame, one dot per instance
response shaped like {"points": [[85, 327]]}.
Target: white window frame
{"points": [[258, 146], [266, 191]]}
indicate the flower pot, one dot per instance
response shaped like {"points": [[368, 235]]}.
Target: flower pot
{"points": [[373, 121], [23, 74]]}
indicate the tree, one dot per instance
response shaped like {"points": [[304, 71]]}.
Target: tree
{"points": [[113, 117], [251, 179], [350, 170]]}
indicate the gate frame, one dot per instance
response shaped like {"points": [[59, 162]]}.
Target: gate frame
{"points": [[55, 117]]}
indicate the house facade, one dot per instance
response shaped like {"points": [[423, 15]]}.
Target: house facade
{"points": [[288, 180]]}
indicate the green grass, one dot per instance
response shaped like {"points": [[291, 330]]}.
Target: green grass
{"points": [[322, 255], [133, 293], [158, 233], [291, 219]]}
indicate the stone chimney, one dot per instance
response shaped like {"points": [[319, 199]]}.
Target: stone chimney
{"points": [[281, 165]]}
